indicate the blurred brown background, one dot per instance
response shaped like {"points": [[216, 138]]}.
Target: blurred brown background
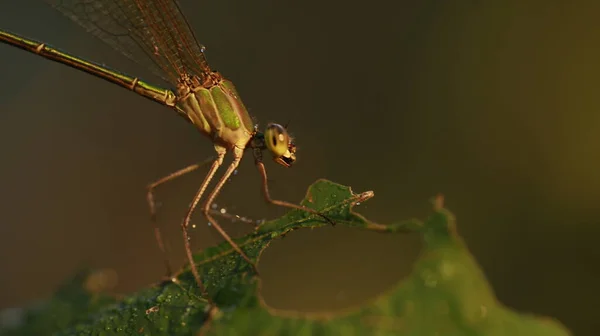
{"points": [[494, 103]]}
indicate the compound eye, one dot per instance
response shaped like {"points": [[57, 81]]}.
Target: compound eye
{"points": [[277, 140]]}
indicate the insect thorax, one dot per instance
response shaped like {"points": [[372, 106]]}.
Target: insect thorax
{"points": [[217, 110]]}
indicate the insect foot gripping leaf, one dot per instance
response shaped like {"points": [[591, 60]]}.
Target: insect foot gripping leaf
{"points": [[446, 293]]}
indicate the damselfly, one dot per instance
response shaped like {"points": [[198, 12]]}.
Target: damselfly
{"points": [[155, 33]]}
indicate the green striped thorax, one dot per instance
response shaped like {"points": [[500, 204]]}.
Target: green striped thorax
{"points": [[215, 108]]}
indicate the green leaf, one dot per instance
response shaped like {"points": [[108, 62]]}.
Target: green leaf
{"points": [[446, 293]]}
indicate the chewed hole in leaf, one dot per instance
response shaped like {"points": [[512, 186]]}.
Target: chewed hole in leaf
{"points": [[354, 267]]}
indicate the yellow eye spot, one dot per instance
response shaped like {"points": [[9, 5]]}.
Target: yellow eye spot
{"points": [[277, 140]]}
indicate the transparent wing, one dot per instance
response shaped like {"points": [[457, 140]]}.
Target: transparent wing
{"points": [[153, 33]]}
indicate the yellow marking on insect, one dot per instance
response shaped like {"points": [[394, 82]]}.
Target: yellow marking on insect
{"points": [[40, 48], [133, 84]]}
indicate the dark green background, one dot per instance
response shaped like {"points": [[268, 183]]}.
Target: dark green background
{"points": [[493, 103]]}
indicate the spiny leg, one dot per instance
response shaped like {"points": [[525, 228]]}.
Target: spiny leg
{"points": [[152, 204], [186, 221], [237, 156], [265, 185]]}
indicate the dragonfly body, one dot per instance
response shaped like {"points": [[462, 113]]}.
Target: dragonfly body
{"points": [[155, 33], [214, 106]]}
